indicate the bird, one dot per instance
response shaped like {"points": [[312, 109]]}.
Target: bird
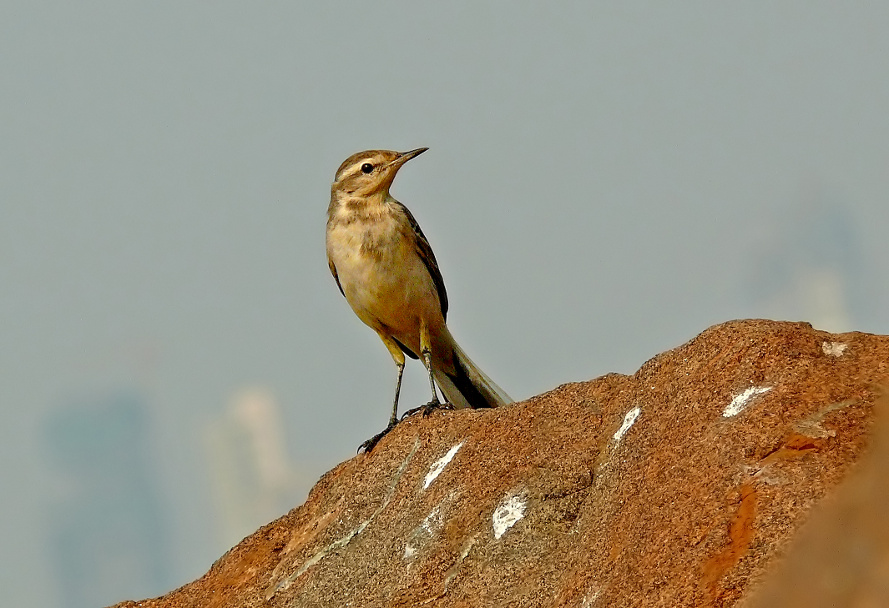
{"points": [[384, 266]]}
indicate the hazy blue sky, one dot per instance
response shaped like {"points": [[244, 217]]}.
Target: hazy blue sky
{"points": [[604, 181]]}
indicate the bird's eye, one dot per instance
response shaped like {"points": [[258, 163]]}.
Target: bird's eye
{"points": [[367, 168]]}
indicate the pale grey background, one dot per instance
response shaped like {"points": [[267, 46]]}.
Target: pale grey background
{"points": [[604, 181]]}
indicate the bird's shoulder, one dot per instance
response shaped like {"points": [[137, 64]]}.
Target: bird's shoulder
{"points": [[424, 251]]}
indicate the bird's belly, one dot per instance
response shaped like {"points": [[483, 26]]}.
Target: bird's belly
{"points": [[389, 288]]}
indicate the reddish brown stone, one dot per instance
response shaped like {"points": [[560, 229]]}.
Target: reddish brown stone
{"points": [[737, 435], [841, 556]]}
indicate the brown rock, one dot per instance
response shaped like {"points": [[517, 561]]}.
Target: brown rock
{"points": [[841, 556], [677, 486]]}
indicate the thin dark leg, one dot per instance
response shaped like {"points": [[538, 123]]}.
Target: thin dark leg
{"points": [[427, 357], [368, 445], [434, 404], [394, 418]]}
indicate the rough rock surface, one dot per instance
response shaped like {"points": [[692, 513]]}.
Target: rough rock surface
{"points": [[841, 556], [680, 485]]}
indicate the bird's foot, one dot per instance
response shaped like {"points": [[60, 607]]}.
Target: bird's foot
{"points": [[368, 445], [428, 408]]}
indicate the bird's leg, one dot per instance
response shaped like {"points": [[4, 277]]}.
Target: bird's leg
{"points": [[393, 419], [396, 353], [427, 359], [434, 404]]}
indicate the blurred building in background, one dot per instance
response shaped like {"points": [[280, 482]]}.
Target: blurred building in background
{"points": [[106, 527], [252, 478], [810, 267]]}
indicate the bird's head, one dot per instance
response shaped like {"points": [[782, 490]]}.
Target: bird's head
{"points": [[370, 172]]}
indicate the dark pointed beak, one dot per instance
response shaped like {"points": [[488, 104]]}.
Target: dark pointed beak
{"points": [[406, 156]]}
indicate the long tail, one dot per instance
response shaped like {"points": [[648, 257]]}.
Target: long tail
{"points": [[466, 385]]}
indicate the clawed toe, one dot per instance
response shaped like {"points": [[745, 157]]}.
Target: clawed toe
{"points": [[425, 409], [428, 408], [368, 445]]}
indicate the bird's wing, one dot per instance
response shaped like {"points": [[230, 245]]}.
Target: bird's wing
{"points": [[424, 250], [335, 277]]}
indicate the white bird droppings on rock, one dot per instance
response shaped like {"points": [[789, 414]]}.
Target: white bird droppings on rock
{"points": [[439, 465], [427, 529], [508, 513], [629, 420], [742, 400], [590, 598], [834, 349]]}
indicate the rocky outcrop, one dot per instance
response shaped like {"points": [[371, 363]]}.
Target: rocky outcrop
{"points": [[680, 485], [841, 555]]}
